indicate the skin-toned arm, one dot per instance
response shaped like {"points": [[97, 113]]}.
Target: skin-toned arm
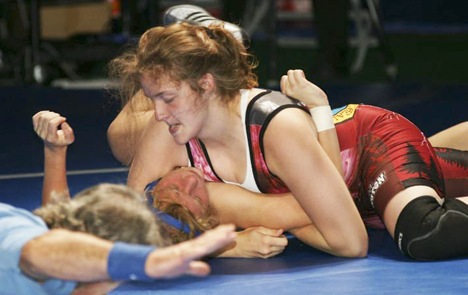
{"points": [[124, 133], [294, 84], [297, 158], [56, 135], [81, 257], [148, 164], [247, 209], [244, 208], [255, 242], [66, 255]]}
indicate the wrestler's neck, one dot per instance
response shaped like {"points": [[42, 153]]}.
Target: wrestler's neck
{"points": [[223, 123]]}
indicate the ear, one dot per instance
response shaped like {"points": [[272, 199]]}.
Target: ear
{"points": [[207, 83]]}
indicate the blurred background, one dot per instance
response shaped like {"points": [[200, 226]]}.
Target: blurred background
{"points": [[59, 42], [409, 56]]}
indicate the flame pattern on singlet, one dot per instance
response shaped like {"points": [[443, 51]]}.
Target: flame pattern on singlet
{"points": [[382, 153]]}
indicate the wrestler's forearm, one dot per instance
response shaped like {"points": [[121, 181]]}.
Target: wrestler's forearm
{"points": [[248, 209], [244, 208], [328, 139], [55, 174], [312, 237]]}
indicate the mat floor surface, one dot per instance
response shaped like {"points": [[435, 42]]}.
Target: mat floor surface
{"points": [[300, 269]]}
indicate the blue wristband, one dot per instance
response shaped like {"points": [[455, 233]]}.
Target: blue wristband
{"points": [[127, 262]]}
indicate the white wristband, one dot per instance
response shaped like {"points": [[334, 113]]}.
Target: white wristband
{"points": [[322, 118]]}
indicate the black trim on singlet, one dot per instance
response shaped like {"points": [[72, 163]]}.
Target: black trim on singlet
{"points": [[205, 153], [259, 112], [208, 159], [257, 115], [189, 153]]}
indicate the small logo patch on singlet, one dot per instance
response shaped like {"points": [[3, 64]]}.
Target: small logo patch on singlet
{"points": [[345, 113]]}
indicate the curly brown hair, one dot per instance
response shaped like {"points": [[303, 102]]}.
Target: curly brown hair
{"points": [[186, 52]]}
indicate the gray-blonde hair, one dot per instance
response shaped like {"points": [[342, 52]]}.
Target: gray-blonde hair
{"points": [[110, 211]]}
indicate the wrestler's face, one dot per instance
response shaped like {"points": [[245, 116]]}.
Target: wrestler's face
{"points": [[186, 187], [176, 104]]}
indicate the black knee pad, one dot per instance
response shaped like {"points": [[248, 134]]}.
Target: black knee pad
{"points": [[426, 230]]}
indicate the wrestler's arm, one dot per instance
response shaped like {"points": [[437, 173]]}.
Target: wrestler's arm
{"points": [[124, 132], [83, 257], [294, 84], [244, 208], [260, 236], [248, 209], [156, 155], [298, 159], [56, 134]]}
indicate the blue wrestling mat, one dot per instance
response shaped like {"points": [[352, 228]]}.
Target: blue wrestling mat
{"points": [[298, 270], [303, 270]]}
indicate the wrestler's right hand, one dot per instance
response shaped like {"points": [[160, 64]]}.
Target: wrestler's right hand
{"points": [[257, 242], [295, 84]]}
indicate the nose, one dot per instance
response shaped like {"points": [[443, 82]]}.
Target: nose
{"points": [[160, 112]]}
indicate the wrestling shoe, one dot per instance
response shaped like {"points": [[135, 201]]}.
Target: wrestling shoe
{"points": [[198, 16]]}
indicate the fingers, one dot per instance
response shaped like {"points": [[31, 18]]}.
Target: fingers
{"points": [[67, 132], [272, 246], [295, 76], [291, 80], [179, 259], [209, 242], [260, 242], [44, 121], [52, 128], [284, 84], [198, 268], [296, 85], [274, 243], [270, 232]]}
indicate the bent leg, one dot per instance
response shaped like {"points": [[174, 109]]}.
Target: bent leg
{"points": [[453, 137], [426, 227], [428, 230], [406, 186], [454, 166]]}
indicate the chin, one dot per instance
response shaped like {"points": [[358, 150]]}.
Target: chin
{"points": [[181, 141]]}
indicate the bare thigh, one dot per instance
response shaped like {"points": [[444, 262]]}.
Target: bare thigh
{"points": [[453, 137]]}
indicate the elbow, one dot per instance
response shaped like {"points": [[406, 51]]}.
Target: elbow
{"points": [[28, 261], [116, 139], [352, 247], [358, 251], [356, 248]]}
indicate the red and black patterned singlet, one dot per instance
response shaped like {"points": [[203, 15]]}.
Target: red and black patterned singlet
{"points": [[382, 153]]}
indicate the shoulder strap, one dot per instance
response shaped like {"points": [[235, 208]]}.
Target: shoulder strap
{"points": [[260, 112]]}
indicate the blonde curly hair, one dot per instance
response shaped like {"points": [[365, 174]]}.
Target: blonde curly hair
{"points": [[110, 211]]}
